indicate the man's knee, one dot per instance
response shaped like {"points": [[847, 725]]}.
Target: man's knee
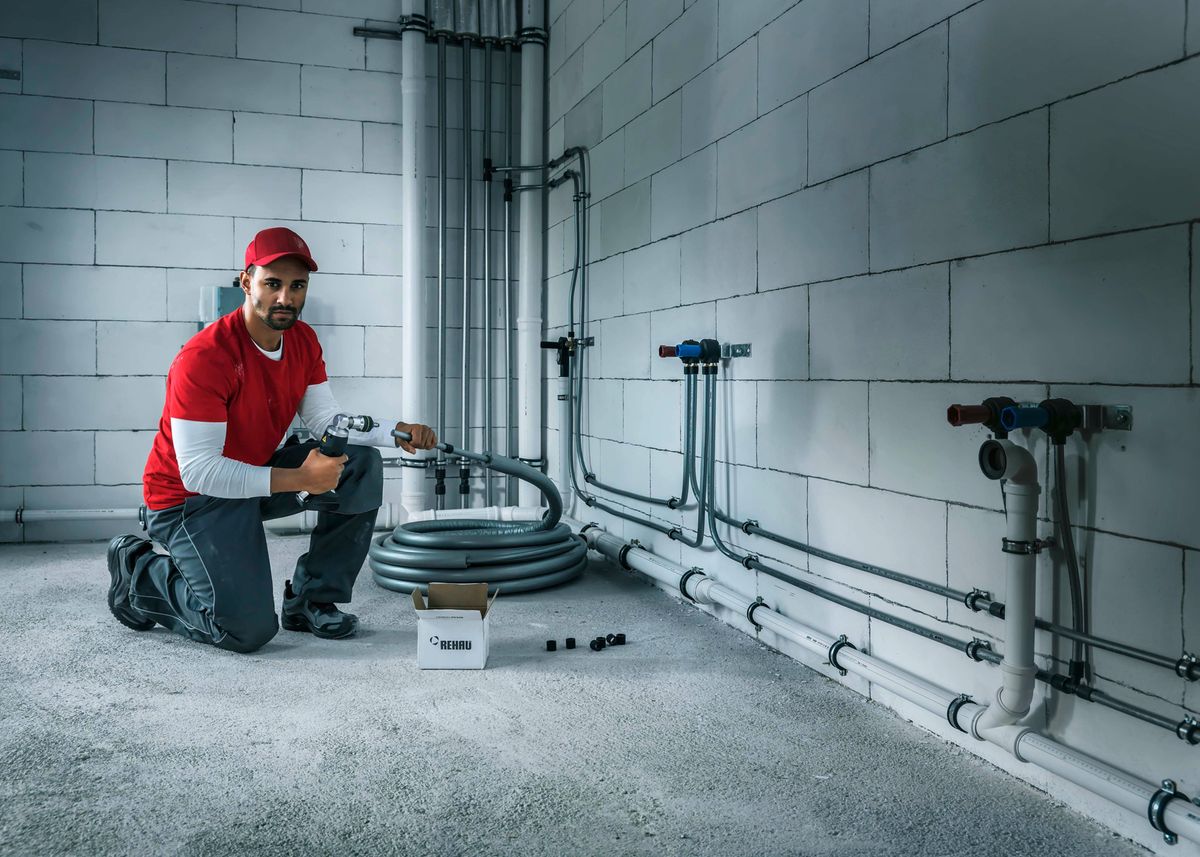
{"points": [[249, 634]]}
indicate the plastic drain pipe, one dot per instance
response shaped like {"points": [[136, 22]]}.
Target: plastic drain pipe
{"points": [[1179, 816], [532, 226], [514, 556], [414, 309]]}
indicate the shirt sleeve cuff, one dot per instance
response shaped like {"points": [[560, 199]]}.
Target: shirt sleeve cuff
{"points": [[258, 481]]}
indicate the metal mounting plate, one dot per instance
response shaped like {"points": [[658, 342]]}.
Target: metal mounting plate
{"points": [[728, 351]]}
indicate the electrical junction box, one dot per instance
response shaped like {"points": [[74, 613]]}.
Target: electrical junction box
{"points": [[452, 626], [219, 301]]}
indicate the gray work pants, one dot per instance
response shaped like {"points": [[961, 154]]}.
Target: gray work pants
{"points": [[215, 587]]}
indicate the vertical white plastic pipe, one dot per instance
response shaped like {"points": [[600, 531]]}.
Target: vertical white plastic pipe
{"points": [[530, 267], [1018, 670], [412, 188]]}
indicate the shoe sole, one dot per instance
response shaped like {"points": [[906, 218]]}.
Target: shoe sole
{"points": [[303, 625], [114, 572]]}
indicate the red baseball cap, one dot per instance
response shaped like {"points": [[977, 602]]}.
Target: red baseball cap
{"points": [[275, 243]]}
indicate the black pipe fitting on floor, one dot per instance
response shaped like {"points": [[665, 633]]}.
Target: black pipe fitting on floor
{"points": [[570, 642], [551, 645], [596, 644], [987, 414]]}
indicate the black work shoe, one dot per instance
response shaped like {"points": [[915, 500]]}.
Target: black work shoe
{"points": [[320, 618], [120, 569]]}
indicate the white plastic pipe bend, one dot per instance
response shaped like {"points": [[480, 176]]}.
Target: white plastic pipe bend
{"points": [[1018, 671]]}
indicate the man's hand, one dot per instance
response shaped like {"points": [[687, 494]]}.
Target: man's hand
{"points": [[320, 472], [423, 437]]}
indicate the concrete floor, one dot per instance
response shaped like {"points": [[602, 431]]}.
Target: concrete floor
{"points": [[691, 740]]}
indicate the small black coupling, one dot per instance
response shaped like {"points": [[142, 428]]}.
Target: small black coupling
{"points": [[1064, 418], [996, 609], [1068, 684], [570, 642], [551, 645], [620, 639], [610, 639], [596, 644], [710, 351], [508, 189]]}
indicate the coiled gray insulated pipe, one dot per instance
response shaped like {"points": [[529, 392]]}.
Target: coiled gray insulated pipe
{"points": [[516, 556]]}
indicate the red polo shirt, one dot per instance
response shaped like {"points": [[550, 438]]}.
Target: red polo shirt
{"points": [[221, 376]]}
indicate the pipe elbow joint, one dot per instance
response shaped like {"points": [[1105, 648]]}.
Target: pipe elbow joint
{"points": [[1003, 459]]}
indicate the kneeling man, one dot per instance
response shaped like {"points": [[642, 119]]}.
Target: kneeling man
{"points": [[216, 471]]}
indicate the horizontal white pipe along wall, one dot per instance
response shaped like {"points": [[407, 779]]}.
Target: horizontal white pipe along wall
{"points": [[901, 207]]}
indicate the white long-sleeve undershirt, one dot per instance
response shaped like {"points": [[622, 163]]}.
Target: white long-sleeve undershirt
{"points": [[204, 469]]}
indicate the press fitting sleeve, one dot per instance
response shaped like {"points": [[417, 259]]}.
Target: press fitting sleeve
{"points": [[203, 468], [318, 408]]}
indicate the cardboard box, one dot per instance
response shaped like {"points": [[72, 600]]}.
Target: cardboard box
{"points": [[452, 627]]}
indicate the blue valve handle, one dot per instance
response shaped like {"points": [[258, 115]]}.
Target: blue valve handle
{"points": [[1013, 418]]}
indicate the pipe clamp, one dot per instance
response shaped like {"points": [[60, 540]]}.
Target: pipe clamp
{"points": [[685, 577], [758, 602], [953, 709], [1157, 809], [976, 646], [623, 555], [749, 560], [1188, 730], [972, 599], [839, 644], [747, 524], [1188, 667], [1023, 547]]}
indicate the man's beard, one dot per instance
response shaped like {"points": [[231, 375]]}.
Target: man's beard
{"points": [[277, 319]]}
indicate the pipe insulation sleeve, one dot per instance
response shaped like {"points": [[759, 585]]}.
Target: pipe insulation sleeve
{"points": [[516, 556]]}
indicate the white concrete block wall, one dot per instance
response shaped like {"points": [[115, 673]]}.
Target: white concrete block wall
{"points": [[916, 204], [143, 146]]}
